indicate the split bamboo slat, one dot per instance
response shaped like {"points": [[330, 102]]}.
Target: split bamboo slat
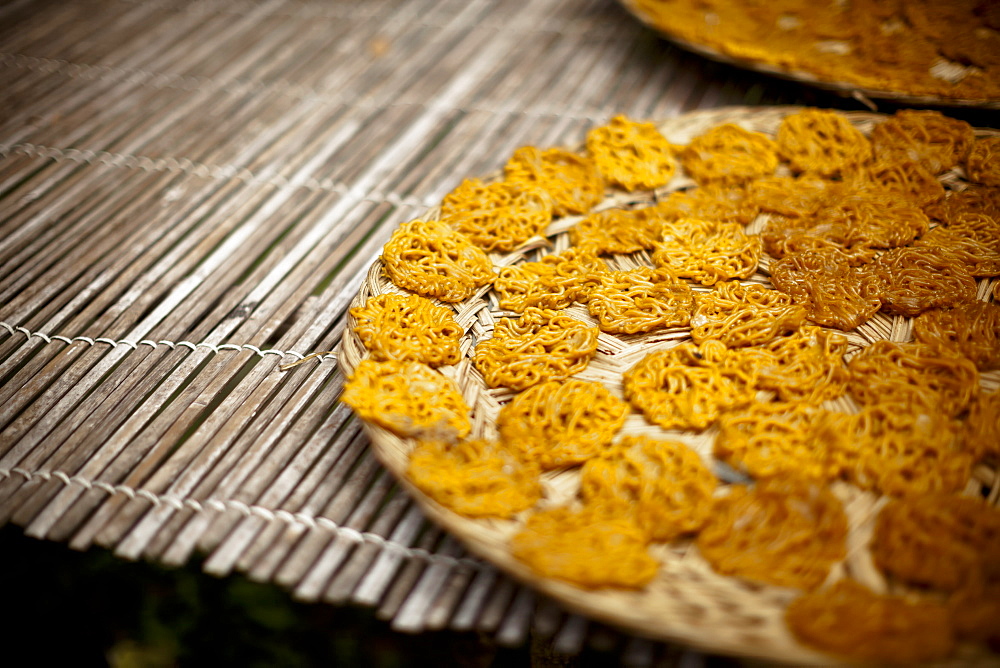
{"points": [[191, 194]]}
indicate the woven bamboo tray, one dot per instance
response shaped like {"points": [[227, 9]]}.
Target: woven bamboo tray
{"points": [[864, 93], [687, 602]]}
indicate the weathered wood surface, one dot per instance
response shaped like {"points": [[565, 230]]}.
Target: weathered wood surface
{"points": [[191, 194]]}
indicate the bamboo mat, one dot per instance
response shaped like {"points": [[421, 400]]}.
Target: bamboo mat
{"points": [[191, 194]]}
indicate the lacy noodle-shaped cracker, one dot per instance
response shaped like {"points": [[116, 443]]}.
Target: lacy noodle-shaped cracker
{"points": [[976, 256], [554, 282], [725, 204], [641, 300], [783, 531], [618, 230], [585, 548], [981, 435], [431, 259], [787, 235], [688, 386], [408, 399], [540, 345], [793, 197], [909, 179], [497, 216], [971, 330], [875, 217], [780, 439], [408, 327], [728, 154], [557, 424], [663, 485], [983, 162], [805, 367], [975, 614], [833, 293], [572, 180], [904, 449], [744, 315], [915, 373], [941, 541], [823, 143], [984, 228], [632, 154], [850, 620], [974, 199], [707, 251], [474, 478], [928, 137], [918, 278]]}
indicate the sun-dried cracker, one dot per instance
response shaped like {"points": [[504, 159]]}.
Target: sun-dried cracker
{"points": [[834, 293], [984, 200], [688, 386], [793, 197], [431, 259], [725, 204], [541, 345], [663, 485], [707, 251], [618, 230], [850, 620], [971, 330], [974, 254], [729, 154], [919, 278], [641, 300], [585, 548], [554, 282], [497, 216], [823, 143], [929, 137], [805, 367], [909, 179], [474, 478], [744, 315], [572, 180], [561, 423], [981, 428], [408, 399], [787, 532], [632, 154], [408, 327], [982, 165]]}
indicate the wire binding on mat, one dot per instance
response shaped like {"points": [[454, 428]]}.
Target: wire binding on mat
{"points": [[221, 505]]}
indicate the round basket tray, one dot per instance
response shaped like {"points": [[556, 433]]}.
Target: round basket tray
{"points": [[687, 601], [862, 82]]}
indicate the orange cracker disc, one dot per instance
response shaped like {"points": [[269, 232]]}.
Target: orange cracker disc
{"points": [[497, 216], [725, 204], [557, 424], [783, 531], [929, 137], [904, 448], [618, 230], [475, 478], [408, 327], [976, 256], [983, 227], [408, 399], [585, 548], [793, 197], [941, 541], [728, 154], [744, 315], [833, 293], [975, 199], [981, 435], [909, 179], [971, 330], [688, 386], [554, 282], [823, 143], [850, 620], [787, 235], [641, 300], [975, 614], [805, 367], [663, 485], [983, 162], [779, 439], [433, 260], [918, 373], [572, 180], [707, 251], [540, 345], [632, 154], [918, 278], [875, 217]]}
